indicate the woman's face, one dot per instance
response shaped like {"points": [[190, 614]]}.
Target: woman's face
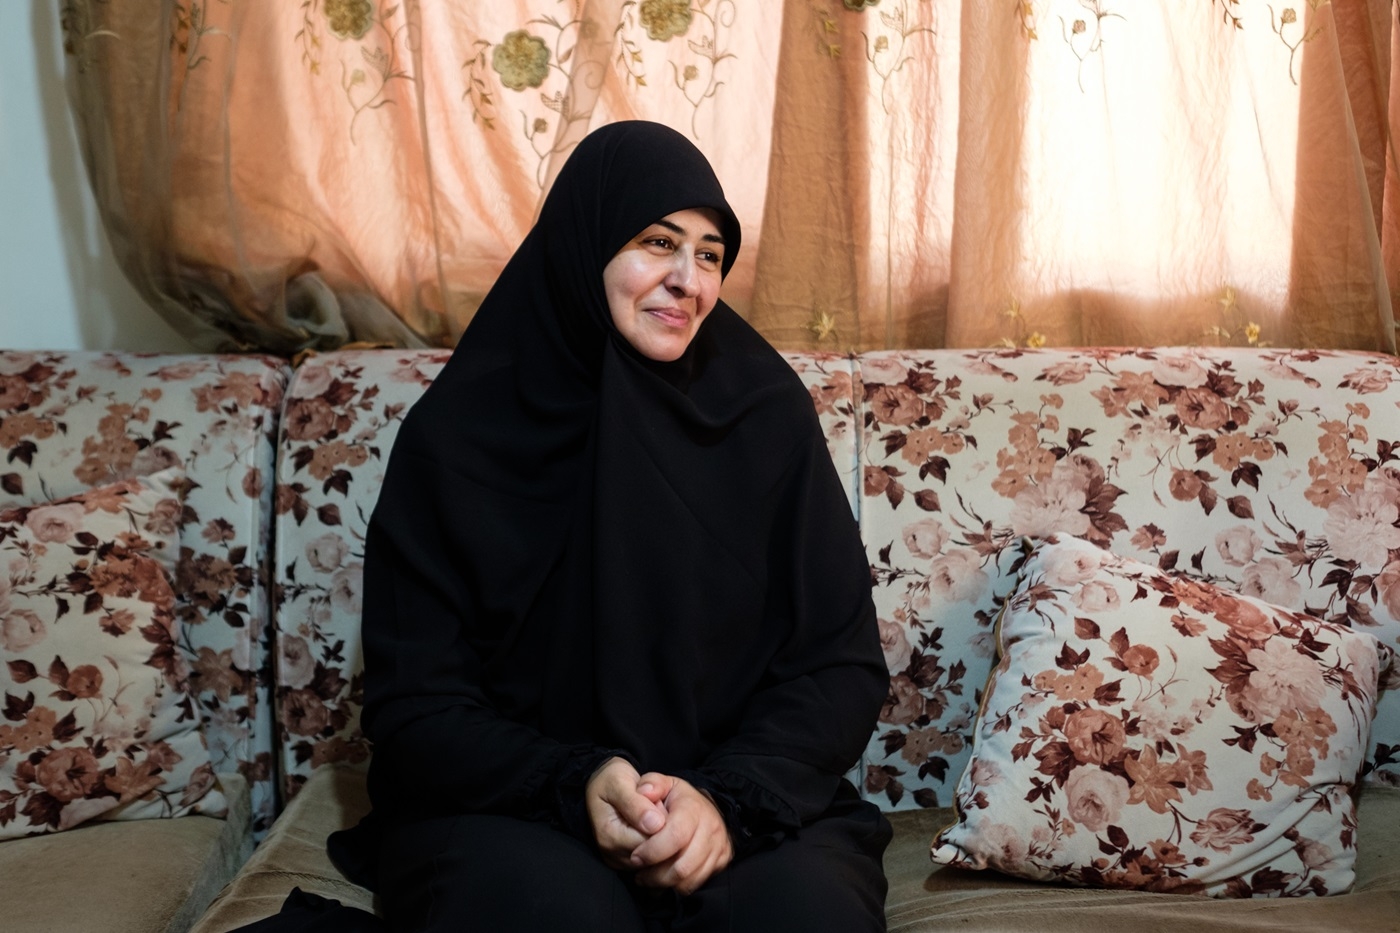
{"points": [[664, 281]]}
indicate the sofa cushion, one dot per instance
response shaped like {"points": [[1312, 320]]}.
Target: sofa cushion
{"points": [[988, 902], [1271, 472], [100, 722], [147, 876], [73, 420], [294, 855], [1145, 730]]}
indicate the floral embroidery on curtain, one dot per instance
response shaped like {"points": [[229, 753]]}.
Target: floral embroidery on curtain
{"points": [[909, 173]]}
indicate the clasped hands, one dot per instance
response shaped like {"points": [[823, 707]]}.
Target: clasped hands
{"points": [[660, 827]]}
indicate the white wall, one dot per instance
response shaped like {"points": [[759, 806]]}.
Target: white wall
{"points": [[60, 287]]}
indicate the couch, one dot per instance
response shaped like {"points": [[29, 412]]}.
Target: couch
{"points": [[73, 421], [1268, 472]]}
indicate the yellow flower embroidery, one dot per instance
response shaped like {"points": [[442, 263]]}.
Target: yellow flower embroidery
{"points": [[665, 19], [349, 19], [522, 60]]}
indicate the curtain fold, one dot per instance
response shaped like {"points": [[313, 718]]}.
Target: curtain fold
{"points": [[909, 173]]}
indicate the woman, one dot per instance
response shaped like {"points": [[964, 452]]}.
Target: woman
{"points": [[619, 644]]}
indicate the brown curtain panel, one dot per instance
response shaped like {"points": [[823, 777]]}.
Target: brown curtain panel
{"points": [[910, 173]]}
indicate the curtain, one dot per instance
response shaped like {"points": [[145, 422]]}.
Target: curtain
{"points": [[909, 173]]}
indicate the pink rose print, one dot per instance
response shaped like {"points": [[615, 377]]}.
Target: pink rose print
{"points": [[1094, 736], [1070, 567], [926, 538], [1237, 546], [1224, 828], [1202, 409], [1179, 371], [1283, 680], [55, 523], [1271, 579], [958, 577], [1361, 527], [896, 646], [1053, 506], [1096, 797], [20, 629]]}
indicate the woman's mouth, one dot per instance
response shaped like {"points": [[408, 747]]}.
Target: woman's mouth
{"points": [[671, 317]]}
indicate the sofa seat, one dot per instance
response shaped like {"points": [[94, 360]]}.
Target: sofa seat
{"points": [[923, 897], [134, 875]]}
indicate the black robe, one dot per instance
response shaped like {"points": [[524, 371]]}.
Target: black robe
{"points": [[578, 552]]}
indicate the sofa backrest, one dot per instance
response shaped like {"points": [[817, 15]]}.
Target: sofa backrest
{"points": [[342, 414], [73, 420], [1269, 471]]}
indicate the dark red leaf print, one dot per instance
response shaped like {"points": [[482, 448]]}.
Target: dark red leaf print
{"points": [[12, 483], [1246, 472], [926, 798], [1240, 507], [43, 809], [927, 500], [1208, 499], [23, 671], [329, 514], [1118, 837], [15, 708], [934, 767], [894, 441], [1168, 560], [1070, 659], [58, 672], [1086, 629], [895, 493], [23, 451], [67, 728]]}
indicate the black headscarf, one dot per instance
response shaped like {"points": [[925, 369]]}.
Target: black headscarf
{"points": [[578, 552]]}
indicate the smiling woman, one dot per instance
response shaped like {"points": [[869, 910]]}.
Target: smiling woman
{"points": [[616, 610], [662, 284]]}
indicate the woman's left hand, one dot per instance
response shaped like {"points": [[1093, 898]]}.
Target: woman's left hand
{"points": [[692, 846]]}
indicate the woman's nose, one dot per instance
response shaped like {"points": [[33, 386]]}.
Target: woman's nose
{"points": [[684, 277]]}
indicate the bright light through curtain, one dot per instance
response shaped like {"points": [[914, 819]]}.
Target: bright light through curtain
{"points": [[909, 173]]}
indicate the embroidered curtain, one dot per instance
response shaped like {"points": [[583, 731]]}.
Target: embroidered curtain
{"points": [[915, 173]]}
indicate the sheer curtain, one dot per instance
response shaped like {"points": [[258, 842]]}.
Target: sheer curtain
{"points": [[910, 173]]}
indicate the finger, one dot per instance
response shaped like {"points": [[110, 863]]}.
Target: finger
{"points": [[667, 843], [656, 786], [637, 812], [709, 851]]}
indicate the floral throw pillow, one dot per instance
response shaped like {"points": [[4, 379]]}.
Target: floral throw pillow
{"points": [[1145, 730], [96, 717]]}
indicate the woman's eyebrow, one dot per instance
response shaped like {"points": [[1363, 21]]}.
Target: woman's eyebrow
{"points": [[678, 230]]}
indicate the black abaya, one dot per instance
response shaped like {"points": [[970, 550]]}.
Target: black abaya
{"points": [[580, 553]]}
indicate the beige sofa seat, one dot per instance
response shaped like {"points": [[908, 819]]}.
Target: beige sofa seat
{"points": [[294, 855], [922, 896], [141, 876]]}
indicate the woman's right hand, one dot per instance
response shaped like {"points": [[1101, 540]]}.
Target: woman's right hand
{"points": [[623, 817]]}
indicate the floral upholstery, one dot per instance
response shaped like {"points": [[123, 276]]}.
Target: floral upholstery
{"points": [[343, 412], [1272, 473], [1147, 730], [1268, 472], [73, 420], [99, 718]]}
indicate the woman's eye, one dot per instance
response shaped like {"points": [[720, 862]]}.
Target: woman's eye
{"points": [[660, 241], [708, 256]]}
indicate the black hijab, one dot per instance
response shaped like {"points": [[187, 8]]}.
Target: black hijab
{"points": [[579, 552]]}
